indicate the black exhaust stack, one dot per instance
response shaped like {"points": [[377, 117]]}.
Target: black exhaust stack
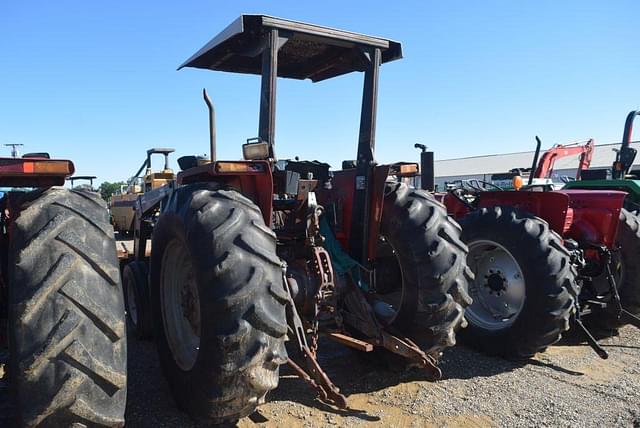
{"points": [[534, 165], [427, 172], [212, 125]]}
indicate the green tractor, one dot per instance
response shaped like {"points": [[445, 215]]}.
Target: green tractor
{"points": [[620, 176]]}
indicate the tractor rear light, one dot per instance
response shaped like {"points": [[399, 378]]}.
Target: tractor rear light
{"points": [[49, 167], [517, 182], [231, 167], [407, 170], [255, 151]]}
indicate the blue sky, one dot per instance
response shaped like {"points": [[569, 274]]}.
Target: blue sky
{"points": [[96, 81]]}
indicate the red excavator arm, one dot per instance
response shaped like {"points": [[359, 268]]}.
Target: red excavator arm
{"points": [[545, 166]]}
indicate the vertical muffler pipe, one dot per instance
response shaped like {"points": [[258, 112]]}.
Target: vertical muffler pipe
{"points": [[534, 165], [212, 125], [427, 170]]}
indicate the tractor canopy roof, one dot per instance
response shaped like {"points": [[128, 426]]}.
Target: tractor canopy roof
{"points": [[160, 150], [307, 51], [82, 177]]}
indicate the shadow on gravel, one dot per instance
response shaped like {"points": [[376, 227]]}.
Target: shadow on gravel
{"points": [[555, 367], [151, 405], [576, 338], [461, 362]]}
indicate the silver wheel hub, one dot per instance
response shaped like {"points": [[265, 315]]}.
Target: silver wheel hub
{"points": [[498, 290], [180, 305]]}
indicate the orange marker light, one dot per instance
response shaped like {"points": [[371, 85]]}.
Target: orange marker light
{"points": [[49, 167], [517, 182], [238, 167]]}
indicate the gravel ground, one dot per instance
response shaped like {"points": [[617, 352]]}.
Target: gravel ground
{"points": [[566, 386]]}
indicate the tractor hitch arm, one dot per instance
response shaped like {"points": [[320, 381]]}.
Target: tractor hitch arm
{"points": [[313, 375], [360, 315]]}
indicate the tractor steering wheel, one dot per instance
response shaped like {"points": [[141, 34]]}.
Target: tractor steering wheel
{"points": [[481, 185], [465, 195], [467, 191]]}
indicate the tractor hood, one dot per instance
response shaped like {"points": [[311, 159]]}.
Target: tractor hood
{"points": [[307, 51]]}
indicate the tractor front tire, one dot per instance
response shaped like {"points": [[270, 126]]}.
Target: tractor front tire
{"points": [[429, 261], [136, 299], [218, 303], [627, 270], [67, 339], [525, 286]]}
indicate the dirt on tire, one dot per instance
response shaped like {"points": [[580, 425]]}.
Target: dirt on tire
{"points": [[67, 335], [241, 301]]}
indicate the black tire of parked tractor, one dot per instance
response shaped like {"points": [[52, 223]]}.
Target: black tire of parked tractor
{"points": [[433, 269], [550, 282], [135, 284], [67, 334], [628, 240], [242, 299]]}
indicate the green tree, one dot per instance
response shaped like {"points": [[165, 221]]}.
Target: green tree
{"points": [[107, 189]]}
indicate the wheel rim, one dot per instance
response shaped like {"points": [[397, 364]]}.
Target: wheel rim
{"points": [[499, 289], [132, 308], [389, 305], [180, 305]]}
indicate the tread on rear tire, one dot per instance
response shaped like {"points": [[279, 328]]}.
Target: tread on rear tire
{"points": [[432, 261], [66, 313], [135, 285], [241, 295]]}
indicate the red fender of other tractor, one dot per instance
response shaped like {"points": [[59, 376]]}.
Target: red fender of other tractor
{"points": [[589, 217], [34, 172], [596, 215]]}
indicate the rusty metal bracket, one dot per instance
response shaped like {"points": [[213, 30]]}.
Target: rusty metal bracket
{"points": [[314, 375], [405, 347], [360, 315]]}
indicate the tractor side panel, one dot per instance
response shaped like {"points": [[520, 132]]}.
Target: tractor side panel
{"points": [[553, 207], [380, 174], [341, 196], [596, 215]]}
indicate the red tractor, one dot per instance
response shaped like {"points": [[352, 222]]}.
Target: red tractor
{"points": [[60, 298], [543, 259], [245, 253]]}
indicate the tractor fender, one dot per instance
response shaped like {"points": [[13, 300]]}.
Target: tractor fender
{"points": [[253, 179], [553, 207], [595, 215]]}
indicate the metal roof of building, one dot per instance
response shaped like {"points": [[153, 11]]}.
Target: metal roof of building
{"points": [[603, 156]]}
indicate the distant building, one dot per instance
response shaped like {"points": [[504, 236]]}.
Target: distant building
{"points": [[481, 167]]}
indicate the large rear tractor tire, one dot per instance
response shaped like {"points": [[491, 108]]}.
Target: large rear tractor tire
{"points": [[525, 286], [423, 272], [66, 314], [136, 299], [218, 303], [626, 271]]}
